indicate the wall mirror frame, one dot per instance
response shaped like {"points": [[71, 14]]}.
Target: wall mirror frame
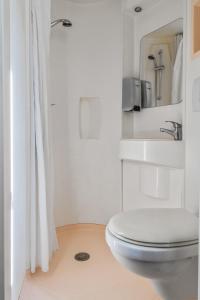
{"points": [[195, 28], [161, 65]]}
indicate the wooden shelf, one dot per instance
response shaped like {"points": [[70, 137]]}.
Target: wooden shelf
{"points": [[196, 28]]}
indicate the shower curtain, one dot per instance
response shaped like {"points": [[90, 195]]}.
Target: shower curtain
{"points": [[42, 236], [177, 78]]}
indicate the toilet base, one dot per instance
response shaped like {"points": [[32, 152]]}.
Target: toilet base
{"points": [[173, 272], [182, 287], [181, 284]]}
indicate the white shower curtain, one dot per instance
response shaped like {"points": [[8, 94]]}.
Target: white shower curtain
{"points": [[177, 79], [42, 236]]}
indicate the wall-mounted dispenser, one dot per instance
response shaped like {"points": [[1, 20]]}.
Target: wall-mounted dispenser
{"points": [[131, 95], [147, 100]]}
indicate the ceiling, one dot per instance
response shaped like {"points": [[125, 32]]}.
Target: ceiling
{"points": [[145, 4], [85, 1], [129, 4]]}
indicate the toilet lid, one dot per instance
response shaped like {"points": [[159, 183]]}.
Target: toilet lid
{"points": [[151, 227]]}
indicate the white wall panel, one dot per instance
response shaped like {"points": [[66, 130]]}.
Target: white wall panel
{"points": [[136, 185], [150, 120], [19, 83], [86, 61], [192, 125]]}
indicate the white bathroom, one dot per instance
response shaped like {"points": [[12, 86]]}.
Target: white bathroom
{"points": [[100, 149]]}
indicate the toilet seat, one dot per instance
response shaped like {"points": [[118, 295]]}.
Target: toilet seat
{"points": [[157, 245], [150, 254], [138, 241], [156, 228]]}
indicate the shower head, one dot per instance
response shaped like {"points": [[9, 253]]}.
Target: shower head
{"points": [[65, 23], [152, 57]]}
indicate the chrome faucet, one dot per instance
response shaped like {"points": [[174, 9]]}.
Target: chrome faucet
{"points": [[176, 132]]}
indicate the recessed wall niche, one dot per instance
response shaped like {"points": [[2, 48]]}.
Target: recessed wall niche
{"points": [[196, 28], [90, 118]]}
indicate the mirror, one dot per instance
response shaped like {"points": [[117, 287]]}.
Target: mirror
{"points": [[161, 66]]}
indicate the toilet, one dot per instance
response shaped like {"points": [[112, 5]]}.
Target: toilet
{"points": [[159, 244]]}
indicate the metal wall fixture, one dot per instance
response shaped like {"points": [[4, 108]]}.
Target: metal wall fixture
{"points": [[176, 132], [65, 23], [138, 9], [158, 69]]}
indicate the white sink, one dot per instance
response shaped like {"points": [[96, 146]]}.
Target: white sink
{"points": [[168, 153]]}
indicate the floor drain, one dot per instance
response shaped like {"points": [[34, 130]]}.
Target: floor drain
{"points": [[82, 256]]}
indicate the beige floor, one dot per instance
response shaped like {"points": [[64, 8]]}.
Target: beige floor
{"points": [[100, 278]]}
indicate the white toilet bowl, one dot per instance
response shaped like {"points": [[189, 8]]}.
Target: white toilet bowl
{"points": [[159, 244]]}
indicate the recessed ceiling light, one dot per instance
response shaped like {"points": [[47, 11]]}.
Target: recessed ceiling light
{"points": [[138, 9]]}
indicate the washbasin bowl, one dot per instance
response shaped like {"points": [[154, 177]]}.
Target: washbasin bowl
{"points": [[163, 152]]}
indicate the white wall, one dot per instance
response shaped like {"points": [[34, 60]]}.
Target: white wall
{"points": [[128, 43], [151, 119], [1, 172], [5, 263], [19, 143], [128, 65], [147, 123], [86, 61], [192, 177], [192, 168], [154, 190], [163, 13]]}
